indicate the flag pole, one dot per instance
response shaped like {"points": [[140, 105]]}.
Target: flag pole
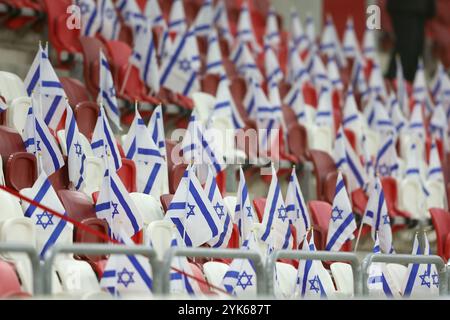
{"points": [[125, 80], [359, 233]]}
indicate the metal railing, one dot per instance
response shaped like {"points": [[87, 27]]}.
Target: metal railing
{"points": [[30, 251], [214, 253], [99, 249], [406, 259], [312, 255]]}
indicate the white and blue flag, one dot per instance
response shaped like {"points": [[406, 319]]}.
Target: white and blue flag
{"points": [[416, 122], [153, 12], [272, 65], [329, 43], [387, 162], [90, 17], [245, 63], [402, 93], [398, 119], [50, 229], [214, 56], [342, 222], [203, 23], [352, 118], [177, 19], [439, 123], [296, 208], [109, 20], [117, 208], [245, 32], [369, 45], [225, 105], [334, 75], [272, 34], [435, 167], [75, 151], [107, 96], [192, 212], [275, 225], [350, 44], [324, 114], [298, 36], [244, 215], [156, 127], [131, 14], [296, 67], [310, 30], [358, 79], [221, 21], [103, 143]]}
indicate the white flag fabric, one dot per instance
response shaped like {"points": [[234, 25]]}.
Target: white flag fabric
{"points": [[110, 24], [329, 43], [154, 13], [117, 208], [177, 19], [310, 29], [369, 45], [294, 99], [90, 17], [438, 123], [156, 127], [131, 14], [296, 69], [75, 151], [244, 62], [214, 56], [342, 222], [192, 212], [420, 88], [204, 20], [221, 21], [103, 143], [296, 208], [240, 279], [144, 58], [244, 215], [352, 119], [435, 167], [150, 164], [350, 42], [299, 37], [333, 74], [50, 229], [245, 32], [376, 82], [225, 105], [127, 274], [416, 123], [358, 79], [422, 280], [107, 93], [39, 141], [402, 93], [376, 215], [225, 221], [317, 71], [272, 33], [275, 224], [272, 66], [387, 162], [398, 118], [324, 114]]}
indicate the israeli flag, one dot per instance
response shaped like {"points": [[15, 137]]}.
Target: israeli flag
{"points": [[103, 143], [50, 229], [156, 127], [413, 169], [272, 33], [422, 280], [298, 36], [244, 215], [376, 215], [272, 66], [240, 279], [379, 281], [367, 160], [192, 212], [264, 108], [378, 117], [110, 24], [358, 79], [268, 134], [294, 99], [435, 168], [153, 12], [144, 58], [317, 71], [177, 19], [245, 32], [75, 151], [352, 118], [204, 20], [245, 63], [39, 141], [131, 14], [276, 220], [225, 220], [350, 42], [296, 208], [165, 46], [438, 122], [310, 30], [179, 282], [127, 274], [416, 122], [214, 57], [329, 43], [90, 18], [398, 119], [150, 164], [440, 86], [199, 146], [117, 208], [32, 79], [420, 88], [225, 106], [376, 82], [309, 282], [333, 74], [220, 20], [342, 222], [402, 93], [387, 162], [348, 162], [324, 114], [179, 71], [369, 45], [107, 94], [296, 69]]}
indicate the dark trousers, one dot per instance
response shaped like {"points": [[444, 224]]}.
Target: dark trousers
{"points": [[409, 32]]}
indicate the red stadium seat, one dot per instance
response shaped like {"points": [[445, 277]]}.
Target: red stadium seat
{"points": [[10, 142], [175, 176], [259, 204], [21, 171], [323, 164], [91, 55], [209, 83], [390, 193], [166, 199], [9, 282], [60, 178], [441, 223], [75, 90], [127, 173], [86, 114]]}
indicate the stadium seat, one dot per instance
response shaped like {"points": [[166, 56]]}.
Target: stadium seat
{"points": [[21, 170], [214, 272], [17, 230], [399, 217], [343, 278], [175, 175], [259, 204], [441, 223], [398, 274], [323, 164], [149, 208], [412, 198], [9, 282], [10, 206], [166, 199], [10, 142], [94, 175], [86, 114], [60, 178], [61, 134], [91, 55], [160, 234], [11, 86], [127, 174], [209, 83], [287, 279], [75, 90], [17, 113], [436, 199], [76, 276]]}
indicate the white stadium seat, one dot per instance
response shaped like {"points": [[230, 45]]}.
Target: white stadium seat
{"points": [[10, 207], [412, 198], [95, 170], [161, 234], [287, 279], [11, 86], [84, 143], [149, 208], [437, 196], [343, 278], [214, 272], [17, 113]]}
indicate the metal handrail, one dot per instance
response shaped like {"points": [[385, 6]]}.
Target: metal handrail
{"points": [[98, 249], [405, 259], [312, 255], [34, 259], [214, 253]]}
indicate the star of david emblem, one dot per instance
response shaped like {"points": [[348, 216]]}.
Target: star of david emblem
{"points": [[247, 282], [424, 278], [185, 65], [219, 210], [112, 92], [191, 211], [78, 149], [109, 13], [314, 284], [115, 211], [84, 8], [125, 277], [44, 220], [338, 215], [386, 219], [384, 170], [435, 279], [249, 212], [280, 213]]}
